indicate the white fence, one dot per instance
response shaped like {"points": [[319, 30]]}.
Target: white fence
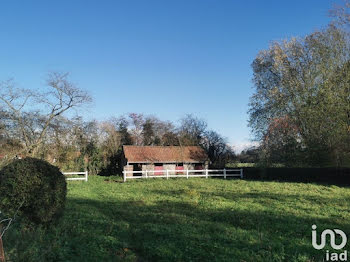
{"points": [[184, 173], [85, 178]]}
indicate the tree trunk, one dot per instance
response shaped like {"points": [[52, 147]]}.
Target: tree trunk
{"points": [[2, 252]]}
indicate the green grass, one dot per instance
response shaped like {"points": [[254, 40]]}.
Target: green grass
{"points": [[185, 220]]}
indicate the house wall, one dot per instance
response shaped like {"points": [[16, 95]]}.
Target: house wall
{"points": [[129, 168], [170, 167], [189, 166], [147, 167], [144, 167]]}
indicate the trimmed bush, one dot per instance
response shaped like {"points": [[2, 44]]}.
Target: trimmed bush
{"points": [[37, 187]]}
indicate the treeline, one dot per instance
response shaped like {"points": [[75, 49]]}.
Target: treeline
{"points": [[300, 110], [36, 123]]}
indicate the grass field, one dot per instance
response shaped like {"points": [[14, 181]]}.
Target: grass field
{"points": [[186, 220]]}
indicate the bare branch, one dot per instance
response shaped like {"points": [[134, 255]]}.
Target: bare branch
{"points": [[9, 220], [31, 113]]}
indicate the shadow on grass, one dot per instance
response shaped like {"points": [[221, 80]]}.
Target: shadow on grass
{"points": [[303, 201], [167, 231]]}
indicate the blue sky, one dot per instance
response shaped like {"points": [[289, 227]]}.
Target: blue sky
{"points": [[166, 58]]}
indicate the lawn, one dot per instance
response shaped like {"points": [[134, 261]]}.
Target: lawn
{"points": [[185, 220]]}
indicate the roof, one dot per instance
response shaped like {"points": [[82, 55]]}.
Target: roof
{"points": [[164, 154]]}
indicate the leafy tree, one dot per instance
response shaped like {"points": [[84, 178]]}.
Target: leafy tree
{"points": [[170, 138], [148, 133], [250, 155], [217, 149], [121, 125], [281, 144], [304, 81]]}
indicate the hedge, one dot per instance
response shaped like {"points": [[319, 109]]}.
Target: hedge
{"points": [[332, 175]]}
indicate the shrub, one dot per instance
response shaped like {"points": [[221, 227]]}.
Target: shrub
{"points": [[37, 187]]}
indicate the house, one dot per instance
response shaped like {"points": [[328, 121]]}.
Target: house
{"points": [[160, 158]]}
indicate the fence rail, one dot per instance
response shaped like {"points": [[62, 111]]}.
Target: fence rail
{"points": [[183, 173], [85, 178]]}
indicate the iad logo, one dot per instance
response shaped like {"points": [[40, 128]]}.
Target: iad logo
{"points": [[332, 235]]}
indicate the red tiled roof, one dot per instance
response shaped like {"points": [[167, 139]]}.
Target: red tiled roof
{"points": [[164, 154]]}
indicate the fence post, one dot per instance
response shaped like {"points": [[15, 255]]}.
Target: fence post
{"points": [[86, 176], [225, 173], [241, 172], [124, 174], [187, 174], [206, 173], [167, 174], [146, 174]]}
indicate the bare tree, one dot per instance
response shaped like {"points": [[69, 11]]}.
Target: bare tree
{"points": [[30, 113], [137, 121]]}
